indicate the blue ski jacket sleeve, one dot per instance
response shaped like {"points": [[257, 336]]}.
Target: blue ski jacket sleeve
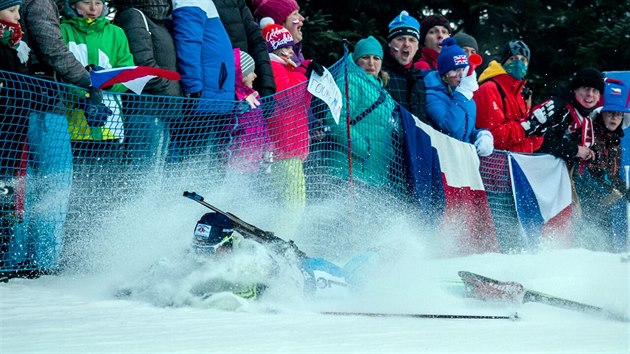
{"points": [[204, 51], [452, 114]]}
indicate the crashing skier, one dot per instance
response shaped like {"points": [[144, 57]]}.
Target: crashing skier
{"points": [[215, 236], [231, 262]]}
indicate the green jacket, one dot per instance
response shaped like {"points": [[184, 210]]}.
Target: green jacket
{"points": [[103, 44], [372, 128]]}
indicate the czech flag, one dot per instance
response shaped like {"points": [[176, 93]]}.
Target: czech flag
{"points": [[132, 77], [443, 175], [542, 194]]}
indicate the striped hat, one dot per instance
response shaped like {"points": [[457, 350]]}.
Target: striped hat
{"points": [[247, 64]]}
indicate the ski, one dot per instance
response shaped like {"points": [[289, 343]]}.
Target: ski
{"points": [[485, 288], [248, 230], [512, 317]]}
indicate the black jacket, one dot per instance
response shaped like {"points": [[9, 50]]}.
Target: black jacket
{"points": [[406, 86], [245, 34], [558, 142], [151, 44]]}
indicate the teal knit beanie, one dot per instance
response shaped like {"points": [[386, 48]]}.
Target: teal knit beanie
{"points": [[366, 46]]}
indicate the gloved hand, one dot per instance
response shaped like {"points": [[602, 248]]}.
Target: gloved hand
{"points": [[484, 144], [468, 85], [308, 66], [94, 110], [23, 51], [535, 123], [314, 67], [93, 67]]}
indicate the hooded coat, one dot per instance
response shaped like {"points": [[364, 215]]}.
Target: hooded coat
{"points": [[150, 42], [288, 126], [372, 129], [501, 109], [204, 51], [103, 44]]}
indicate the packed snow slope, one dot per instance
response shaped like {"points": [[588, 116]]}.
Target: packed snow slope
{"points": [[79, 311]]}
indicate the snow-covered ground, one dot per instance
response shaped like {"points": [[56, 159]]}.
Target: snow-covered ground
{"points": [[78, 312]]}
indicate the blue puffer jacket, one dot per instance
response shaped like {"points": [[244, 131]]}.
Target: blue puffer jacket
{"points": [[450, 113], [204, 50]]}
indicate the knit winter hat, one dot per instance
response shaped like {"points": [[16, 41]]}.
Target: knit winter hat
{"points": [[403, 25], [515, 47], [366, 46], [5, 4], [451, 57], [588, 77], [247, 63], [465, 40], [279, 10], [276, 36], [430, 22], [617, 92]]}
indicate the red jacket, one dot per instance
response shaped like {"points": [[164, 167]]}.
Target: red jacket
{"points": [[288, 125], [502, 114], [428, 59]]}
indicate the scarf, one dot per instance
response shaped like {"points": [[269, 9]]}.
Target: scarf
{"points": [[584, 125], [10, 34]]}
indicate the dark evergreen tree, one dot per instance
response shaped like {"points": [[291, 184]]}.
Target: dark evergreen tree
{"points": [[563, 35]]}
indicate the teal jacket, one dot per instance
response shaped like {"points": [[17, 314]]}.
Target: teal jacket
{"points": [[372, 129]]}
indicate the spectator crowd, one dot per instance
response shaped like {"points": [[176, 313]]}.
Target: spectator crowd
{"points": [[227, 52]]}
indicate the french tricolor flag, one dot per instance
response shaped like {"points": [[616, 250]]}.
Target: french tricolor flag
{"points": [[542, 194], [443, 175], [132, 77]]}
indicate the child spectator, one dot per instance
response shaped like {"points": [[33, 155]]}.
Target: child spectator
{"points": [[95, 41], [450, 107], [250, 138], [600, 186], [406, 83], [501, 105], [433, 30], [288, 128]]}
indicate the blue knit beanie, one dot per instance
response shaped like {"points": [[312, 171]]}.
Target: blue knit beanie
{"points": [[617, 92], [402, 25], [5, 4], [367, 46], [451, 57]]}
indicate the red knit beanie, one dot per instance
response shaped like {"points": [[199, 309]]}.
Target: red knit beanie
{"points": [[276, 36], [279, 10]]}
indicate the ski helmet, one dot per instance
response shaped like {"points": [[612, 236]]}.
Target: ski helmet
{"points": [[213, 232]]}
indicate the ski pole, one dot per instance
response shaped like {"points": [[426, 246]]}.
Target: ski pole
{"points": [[423, 315]]}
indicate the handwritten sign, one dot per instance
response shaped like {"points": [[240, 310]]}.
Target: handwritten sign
{"points": [[325, 88]]}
